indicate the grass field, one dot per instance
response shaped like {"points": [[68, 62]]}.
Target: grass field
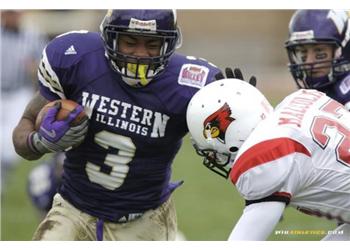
{"points": [[207, 205]]}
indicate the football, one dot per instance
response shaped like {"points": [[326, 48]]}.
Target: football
{"points": [[66, 107]]}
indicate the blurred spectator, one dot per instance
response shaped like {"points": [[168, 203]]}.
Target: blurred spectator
{"points": [[20, 54], [43, 182]]}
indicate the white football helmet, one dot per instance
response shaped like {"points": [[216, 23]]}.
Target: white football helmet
{"points": [[220, 117]]}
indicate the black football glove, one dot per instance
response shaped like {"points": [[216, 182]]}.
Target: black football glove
{"points": [[236, 73]]}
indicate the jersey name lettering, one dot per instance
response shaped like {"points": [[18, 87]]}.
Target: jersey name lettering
{"points": [[293, 113], [126, 116]]}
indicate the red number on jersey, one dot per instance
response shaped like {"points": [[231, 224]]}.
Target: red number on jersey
{"points": [[321, 124]]}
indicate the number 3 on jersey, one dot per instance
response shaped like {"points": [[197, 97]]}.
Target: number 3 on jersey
{"points": [[320, 130], [118, 162]]}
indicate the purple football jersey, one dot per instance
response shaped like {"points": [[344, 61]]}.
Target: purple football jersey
{"points": [[124, 164], [340, 91]]}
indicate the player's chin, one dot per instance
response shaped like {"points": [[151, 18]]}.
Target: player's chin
{"points": [[318, 74]]}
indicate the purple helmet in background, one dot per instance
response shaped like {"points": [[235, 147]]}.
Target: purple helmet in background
{"points": [[155, 23], [319, 27]]}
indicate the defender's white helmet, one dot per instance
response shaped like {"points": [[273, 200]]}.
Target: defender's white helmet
{"points": [[221, 116]]}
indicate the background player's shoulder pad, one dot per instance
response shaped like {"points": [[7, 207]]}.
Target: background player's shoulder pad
{"points": [[192, 71], [68, 48]]}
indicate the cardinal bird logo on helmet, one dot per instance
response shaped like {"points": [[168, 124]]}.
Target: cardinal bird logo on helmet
{"points": [[216, 124]]}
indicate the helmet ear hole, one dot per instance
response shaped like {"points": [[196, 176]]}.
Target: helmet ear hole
{"points": [[233, 149]]}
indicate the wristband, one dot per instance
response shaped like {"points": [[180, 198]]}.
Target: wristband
{"points": [[30, 144]]}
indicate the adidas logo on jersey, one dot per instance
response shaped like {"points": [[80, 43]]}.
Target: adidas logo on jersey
{"points": [[70, 51]]}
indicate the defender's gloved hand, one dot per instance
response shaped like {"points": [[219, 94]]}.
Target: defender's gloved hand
{"points": [[54, 135], [236, 73]]}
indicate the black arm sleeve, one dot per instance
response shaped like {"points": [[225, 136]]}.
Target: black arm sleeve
{"points": [[273, 197]]}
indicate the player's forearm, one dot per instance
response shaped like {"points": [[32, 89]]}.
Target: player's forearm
{"points": [[26, 126], [20, 140], [257, 221]]}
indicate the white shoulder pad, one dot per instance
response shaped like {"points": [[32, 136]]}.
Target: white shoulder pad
{"points": [[263, 169], [263, 180]]}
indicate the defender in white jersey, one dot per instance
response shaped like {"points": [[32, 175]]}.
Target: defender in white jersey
{"points": [[296, 155]]}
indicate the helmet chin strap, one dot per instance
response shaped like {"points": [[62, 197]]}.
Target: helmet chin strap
{"points": [[135, 83], [314, 82]]}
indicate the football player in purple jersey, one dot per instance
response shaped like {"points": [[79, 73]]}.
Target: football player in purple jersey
{"points": [[319, 52], [116, 179]]}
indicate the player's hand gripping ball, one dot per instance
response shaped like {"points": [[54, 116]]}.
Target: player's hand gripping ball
{"points": [[66, 107]]}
